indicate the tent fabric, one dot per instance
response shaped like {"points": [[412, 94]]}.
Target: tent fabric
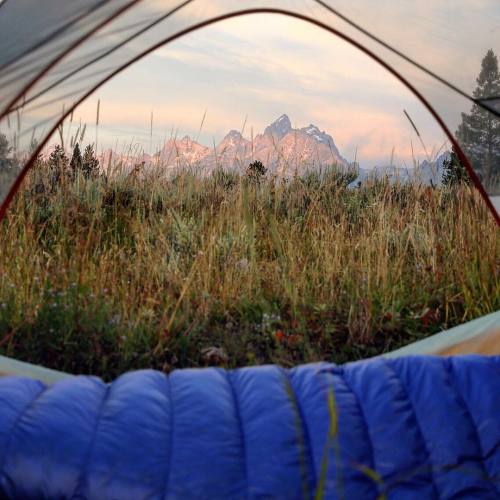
{"points": [[55, 53], [415, 427], [467, 333]]}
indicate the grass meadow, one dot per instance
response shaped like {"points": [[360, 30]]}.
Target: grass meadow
{"points": [[107, 275]]}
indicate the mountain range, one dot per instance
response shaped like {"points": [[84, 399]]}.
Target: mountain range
{"points": [[427, 172], [284, 150], [281, 148]]}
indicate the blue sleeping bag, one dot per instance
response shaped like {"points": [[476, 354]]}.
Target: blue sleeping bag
{"points": [[409, 428]]}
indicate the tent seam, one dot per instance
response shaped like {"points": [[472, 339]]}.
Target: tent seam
{"points": [[43, 388], [234, 396], [88, 455], [55, 34], [166, 482], [418, 425], [304, 435], [453, 382], [343, 376]]}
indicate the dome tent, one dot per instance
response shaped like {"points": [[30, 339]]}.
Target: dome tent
{"points": [[224, 429]]}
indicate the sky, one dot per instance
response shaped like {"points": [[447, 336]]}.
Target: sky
{"points": [[244, 73]]}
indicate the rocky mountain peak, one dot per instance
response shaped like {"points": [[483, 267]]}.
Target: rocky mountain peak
{"points": [[233, 136], [317, 134], [281, 148], [321, 137], [280, 127]]}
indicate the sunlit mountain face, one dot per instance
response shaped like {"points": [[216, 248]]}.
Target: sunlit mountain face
{"points": [[283, 149]]}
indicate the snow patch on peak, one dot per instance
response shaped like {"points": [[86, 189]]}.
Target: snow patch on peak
{"points": [[311, 129], [318, 135]]}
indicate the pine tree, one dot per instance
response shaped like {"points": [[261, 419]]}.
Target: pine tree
{"points": [[256, 171], [454, 172], [5, 150], [58, 166], [76, 163], [37, 168], [479, 132], [90, 164]]}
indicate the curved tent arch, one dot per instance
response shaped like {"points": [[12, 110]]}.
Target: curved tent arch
{"points": [[210, 21]]}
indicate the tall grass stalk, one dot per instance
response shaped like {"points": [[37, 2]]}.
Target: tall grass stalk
{"points": [[149, 270]]}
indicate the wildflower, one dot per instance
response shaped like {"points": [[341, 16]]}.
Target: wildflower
{"points": [[429, 316], [269, 319], [280, 337]]}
